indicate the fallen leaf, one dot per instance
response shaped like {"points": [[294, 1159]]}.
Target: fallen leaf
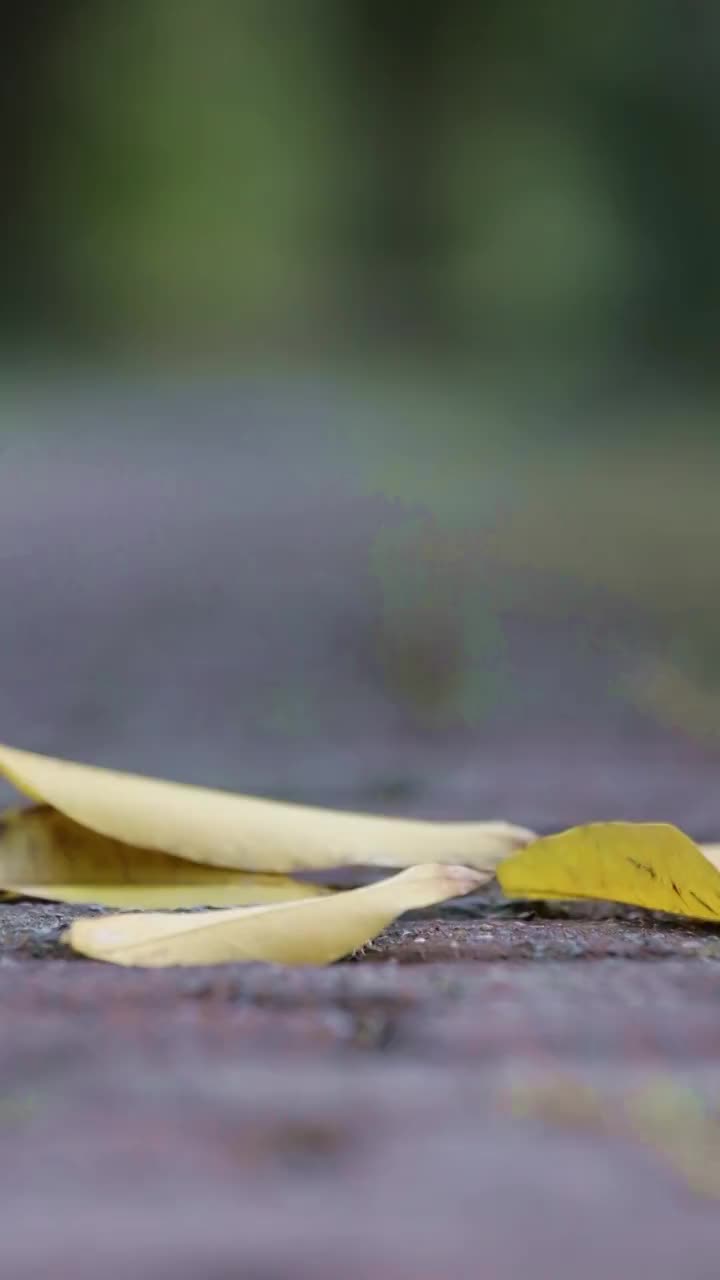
{"points": [[43, 854], [650, 865], [311, 932], [712, 853], [244, 832]]}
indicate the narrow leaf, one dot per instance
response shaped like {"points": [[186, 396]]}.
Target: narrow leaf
{"points": [[311, 932], [244, 832], [43, 854]]}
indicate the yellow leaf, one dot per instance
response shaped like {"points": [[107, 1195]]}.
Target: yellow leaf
{"points": [[244, 832], [643, 864], [712, 853], [43, 854], [313, 932]]}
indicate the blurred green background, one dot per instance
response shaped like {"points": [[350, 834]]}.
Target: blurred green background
{"points": [[490, 177], [398, 323]]}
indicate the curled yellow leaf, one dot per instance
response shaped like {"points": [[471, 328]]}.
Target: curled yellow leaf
{"points": [[311, 932], [43, 854], [244, 832], [650, 865]]}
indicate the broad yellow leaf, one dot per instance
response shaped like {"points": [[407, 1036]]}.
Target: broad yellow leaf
{"points": [[643, 864], [244, 832], [313, 932], [712, 853], [43, 854]]}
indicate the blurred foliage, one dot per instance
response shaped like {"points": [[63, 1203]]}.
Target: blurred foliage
{"points": [[242, 173]]}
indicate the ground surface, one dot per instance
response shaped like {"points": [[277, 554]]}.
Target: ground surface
{"points": [[490, 1092], [483, 1096]]}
